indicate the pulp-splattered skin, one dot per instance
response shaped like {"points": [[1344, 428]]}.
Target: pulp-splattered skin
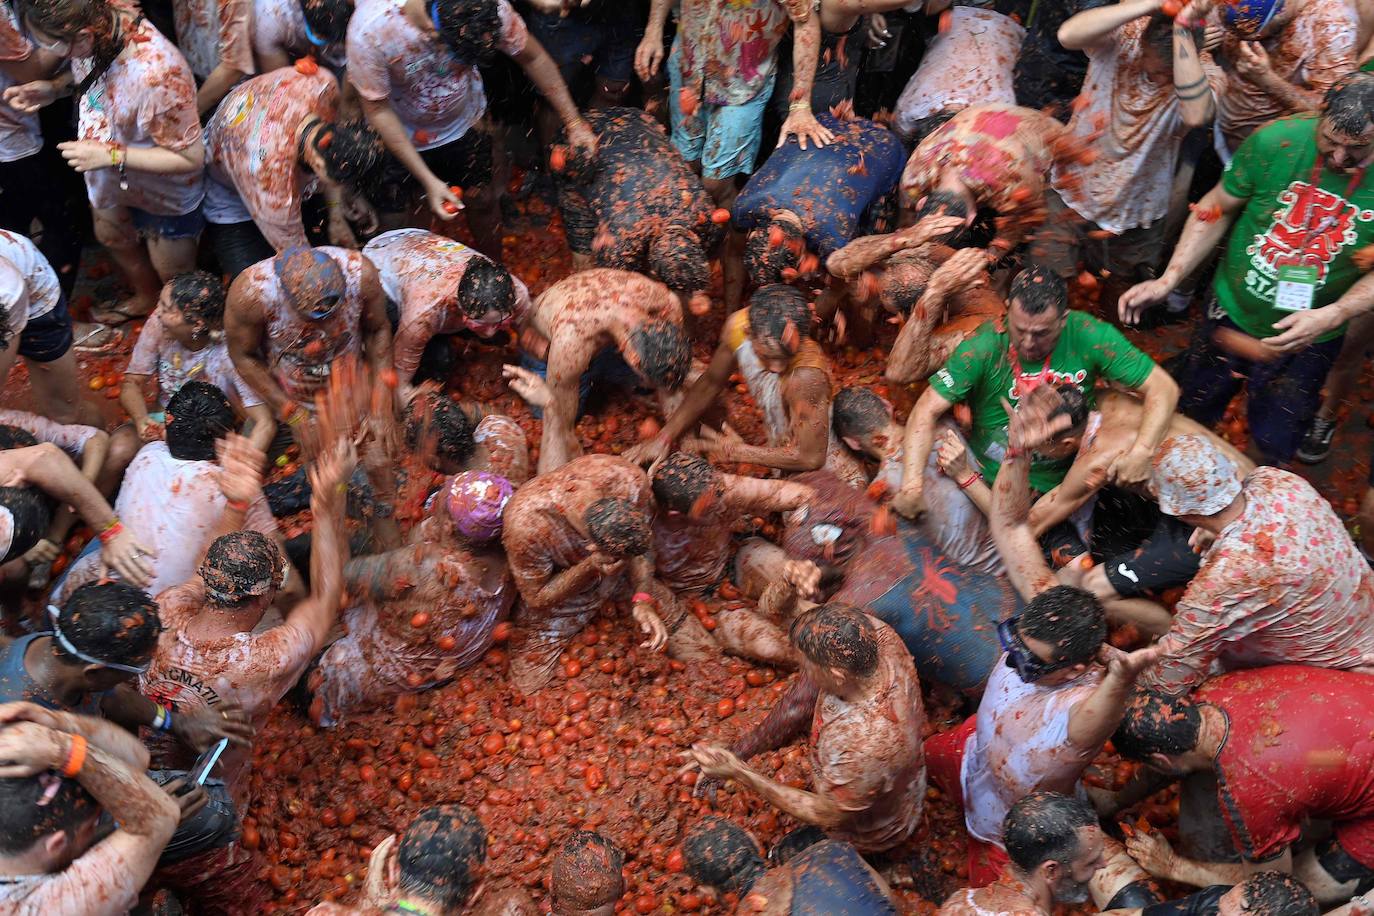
{"points": [[1307, 55], [573, 321], [1001, 153], [1283, 583], [547, 546], [252, 151], [638, 187], [420, 271], [286, 357], [463, 591], [1007, 896]]}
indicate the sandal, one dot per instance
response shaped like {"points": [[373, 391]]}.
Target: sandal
{"points": [[115, 315], [99, 339]]}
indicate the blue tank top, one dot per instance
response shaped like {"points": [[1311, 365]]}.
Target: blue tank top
{"points": [[831, 879], [16, 685], [829, 188]]}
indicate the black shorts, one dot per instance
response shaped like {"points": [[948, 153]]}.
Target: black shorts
{"points": [[1162, 561], [48, 337], [465, 162]]}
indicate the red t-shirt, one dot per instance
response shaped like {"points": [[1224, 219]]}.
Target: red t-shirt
{"points": [[1300, 745]]}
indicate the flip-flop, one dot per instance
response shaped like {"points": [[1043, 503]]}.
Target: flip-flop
{"points": [[100, 339]]}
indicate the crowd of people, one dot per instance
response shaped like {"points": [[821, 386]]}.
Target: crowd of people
{"points": [[1022, 510]]}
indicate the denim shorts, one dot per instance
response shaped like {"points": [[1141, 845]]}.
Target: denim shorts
{"points": [[724, 138], [152, 225], [47, 337]]}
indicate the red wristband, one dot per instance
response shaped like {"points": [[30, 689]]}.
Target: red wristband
{"points": [[237, 505], [972, 477], [643, 598], [113, 530]]}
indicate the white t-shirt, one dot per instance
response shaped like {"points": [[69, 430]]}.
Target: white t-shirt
{"points": [[103, 882], [39, 277], [172, 507], [158, 353], [1021, 745], [437, 97], [968, 64]]}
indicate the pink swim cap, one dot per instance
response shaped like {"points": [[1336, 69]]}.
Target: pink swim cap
{"points": [[475, 501]]}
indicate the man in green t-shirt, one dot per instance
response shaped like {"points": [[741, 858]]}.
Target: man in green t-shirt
{"points": [[1047, 344], [1298, 206]]}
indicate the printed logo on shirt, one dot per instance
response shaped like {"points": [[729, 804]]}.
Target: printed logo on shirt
{"points": [[241, 112], [1312, 227], [945, 378], [1128, 572], [1023, 383]]}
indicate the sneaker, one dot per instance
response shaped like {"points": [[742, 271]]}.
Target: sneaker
{"points": [[1316, 445]]}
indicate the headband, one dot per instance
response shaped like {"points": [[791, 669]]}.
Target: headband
{"points": [[72, 650]]}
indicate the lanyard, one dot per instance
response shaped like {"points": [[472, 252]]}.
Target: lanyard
{"points": [[1032, 381], [1313, 186]]}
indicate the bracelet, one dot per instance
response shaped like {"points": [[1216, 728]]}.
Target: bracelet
{"points": [[296, 416], [162, 719], [111, 531], [236, 505], [1014, 453], [114, 154], [643, 598], [799, 105], [76, 757], [972, 477]]}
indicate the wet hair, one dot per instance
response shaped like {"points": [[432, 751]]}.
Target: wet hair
{"points": [[350, 150], [30, 512], [1043, 827], [772, 307], [858, 411], [676, 258], [837, 635], [924, 127], [664, 355], [441, 854], [1157, 723], [439, 423], [904, 283], [26, 818], [111, 621], [199, 296], [1274, 893], [1349, 105], [942, 202], [1037, 289], [328, 19], [1073, 404], [586, 872], [470, 28], [681, 479], [722, 855], [1159, 35], [15, 437], [765, 261], [617, 527], [1069, 619], [65, 19], [241, 566], [197, 415], [485, 285]]}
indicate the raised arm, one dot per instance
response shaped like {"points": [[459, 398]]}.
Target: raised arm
{"points": [[1195, 102], [1093, 720], [1091, 27], [328, 543], [910, 356]]}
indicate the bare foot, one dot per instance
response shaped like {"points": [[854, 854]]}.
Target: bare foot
{"points": [[130, 309]]}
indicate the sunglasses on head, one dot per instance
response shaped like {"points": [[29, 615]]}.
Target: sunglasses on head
{"points": [[1029, 666], [325, 307]]}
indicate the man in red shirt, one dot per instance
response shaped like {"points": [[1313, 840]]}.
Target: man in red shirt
{"points": [[1288, 744]]}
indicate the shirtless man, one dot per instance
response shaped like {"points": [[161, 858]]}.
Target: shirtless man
{"points": [[1054, 846], [287, 319], [1165, 558], [867, 763], [60, 772], [274, 141], [993, 157], [209, 653], [788, 376], [577, 538], [636, 205], [428, 607], [439, 286], [825, 877], [599, 325]]}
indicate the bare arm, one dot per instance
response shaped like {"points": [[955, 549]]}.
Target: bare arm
{"points": [[543, 72], [1087, 475], [93, 454], [703, 393], [807, 807], [649, 54], [785, 721], [750, 494], [328, 545], [1195, 101], [162, 161], [131, 399], [216, 86], [1161, 397], [375, 325], [920, 438], [557, 588], [808, 394], [1088, 28], [443, 203], [243, 331], [1093, 720], [1011, 531], [558, 442], [1156, 856]]}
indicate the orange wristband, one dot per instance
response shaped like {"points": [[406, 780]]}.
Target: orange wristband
{"points": [[76, 757]]}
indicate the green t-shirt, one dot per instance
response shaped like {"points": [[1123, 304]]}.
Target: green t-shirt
{"points": [[1288, 221], [979, 373]]}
